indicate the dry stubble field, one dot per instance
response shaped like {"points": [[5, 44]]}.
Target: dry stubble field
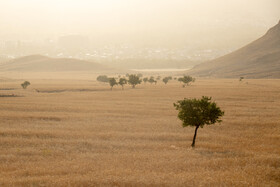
{"points": [[79, 133]]}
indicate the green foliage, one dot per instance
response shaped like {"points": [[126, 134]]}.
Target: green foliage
{"points": [[25, 84], [198, 112], [186, 80], [145, 79], [152, 80], [134, 80], [112, 82], [102, 78], [122, 82], [166, 79]]}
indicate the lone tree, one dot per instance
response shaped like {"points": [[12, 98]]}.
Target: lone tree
{"points": [[102, 78], [198, 112], [122, 82], [166, 79], [112, 82], [25, 84], [186, 80], [134, 80], [241, 78]]}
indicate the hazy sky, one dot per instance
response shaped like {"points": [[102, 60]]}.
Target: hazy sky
{"points": [[162, 21]]}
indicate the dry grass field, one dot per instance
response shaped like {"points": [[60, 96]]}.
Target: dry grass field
{"points": [[79, 133]]}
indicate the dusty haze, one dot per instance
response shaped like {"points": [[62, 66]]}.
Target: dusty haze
{"points": [[141, 22], [67, 118]]}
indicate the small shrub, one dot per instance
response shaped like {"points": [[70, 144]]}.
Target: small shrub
{"points": [[152, 80], [25, 84], [146, 79], [102, 78], [166, 79]]}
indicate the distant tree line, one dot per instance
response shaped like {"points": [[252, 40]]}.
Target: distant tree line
{"points": [[136, 79]]}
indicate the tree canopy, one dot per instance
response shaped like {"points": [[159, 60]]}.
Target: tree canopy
{"points": [[198, 112], [25, 84], [112, 82], [145, 79], [166, 79], [134, 80], [102, 78], [152, 80], [186, 80], [122, 82]]}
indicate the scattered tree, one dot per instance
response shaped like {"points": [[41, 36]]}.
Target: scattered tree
{"points": [[241, 78], [140, 75], [134, 80], [112, 82], [146, 79], [166, 79], [152, 80], [186, 80], [198, 112], [122, 82], [102, 78], [25, 84]]}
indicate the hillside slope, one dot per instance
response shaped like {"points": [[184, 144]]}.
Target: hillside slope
{"points": [[259, 59], [38, 63]]}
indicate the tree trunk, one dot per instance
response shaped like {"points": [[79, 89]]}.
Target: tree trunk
{"points": [[194, 137]]}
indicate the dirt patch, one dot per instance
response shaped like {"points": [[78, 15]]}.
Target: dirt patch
{"points": [[10, 95], [70, 90], [33, 118], [7, 88]]}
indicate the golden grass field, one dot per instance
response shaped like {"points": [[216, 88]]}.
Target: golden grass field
{"points": [[79, 133]]}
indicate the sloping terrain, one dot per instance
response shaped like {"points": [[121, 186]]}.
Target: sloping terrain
{"points": [[38, 63], [260, 59]]}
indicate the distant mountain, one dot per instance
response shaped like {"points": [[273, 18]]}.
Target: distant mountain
{"points": [[259, 59], [39, 63]]}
